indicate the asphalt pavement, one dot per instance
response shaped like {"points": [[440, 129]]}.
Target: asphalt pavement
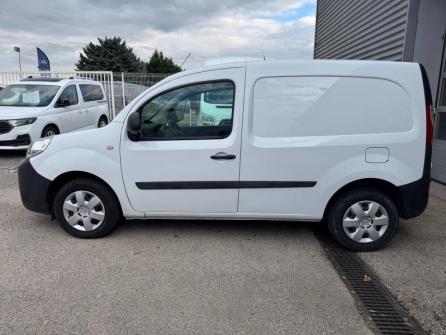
{"points": [[201, 277], [165, 277]]}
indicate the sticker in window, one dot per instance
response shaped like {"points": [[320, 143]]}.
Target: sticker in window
{"points": [[31, 97]]}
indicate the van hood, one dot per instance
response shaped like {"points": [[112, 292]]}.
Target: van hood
{"points": [[13, 112]]}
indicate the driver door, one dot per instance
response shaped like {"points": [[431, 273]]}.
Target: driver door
{"points": [[179, 165], [70, 116]]}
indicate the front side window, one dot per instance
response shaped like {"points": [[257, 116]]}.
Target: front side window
{"points": [[200, 111], [25, 95], [91, 92], [68, 96]]}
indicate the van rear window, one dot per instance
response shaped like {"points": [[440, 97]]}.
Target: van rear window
{"points": [[91, 92], [323, 106]]}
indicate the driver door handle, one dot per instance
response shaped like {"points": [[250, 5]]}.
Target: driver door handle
{"points": [[223, 155]]}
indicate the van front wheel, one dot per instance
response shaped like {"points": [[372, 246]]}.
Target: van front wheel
{"points": [[86, 208], [363, 219]]}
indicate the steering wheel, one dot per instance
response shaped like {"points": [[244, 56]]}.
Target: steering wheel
{"points": [[171, 129]]}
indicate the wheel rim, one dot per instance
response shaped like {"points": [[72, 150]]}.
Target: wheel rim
{"points": [[50, 133], [84, 210], [102, 123], [365, 221]]}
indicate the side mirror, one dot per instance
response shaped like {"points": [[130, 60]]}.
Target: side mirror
{"points": [[134, 126], [62, 102]]}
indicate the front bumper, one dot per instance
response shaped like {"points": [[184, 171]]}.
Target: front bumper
{"points": [[19, 143], [18, 138], [33, 188]]}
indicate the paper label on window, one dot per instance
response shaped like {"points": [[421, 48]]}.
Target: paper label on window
{"points": [[31, 97]]}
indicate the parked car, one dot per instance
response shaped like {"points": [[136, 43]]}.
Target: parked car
{"points": [[2, 87], [35, 108], [215, 107], [347, 142]]}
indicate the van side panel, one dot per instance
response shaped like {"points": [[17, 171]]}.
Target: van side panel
{"points": [[330, 126]]}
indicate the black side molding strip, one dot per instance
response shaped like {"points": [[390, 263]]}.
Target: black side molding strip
{"points": [[200, 185]]}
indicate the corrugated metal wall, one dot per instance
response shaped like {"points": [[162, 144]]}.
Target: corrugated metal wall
{"points": [[361, 29]]}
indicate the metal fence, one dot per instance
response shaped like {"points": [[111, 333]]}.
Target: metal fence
{"points": [[128, 86], [120, 88]]}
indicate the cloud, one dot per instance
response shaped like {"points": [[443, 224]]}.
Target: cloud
{"points": [[207, 28]]}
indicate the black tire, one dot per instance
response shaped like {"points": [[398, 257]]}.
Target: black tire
{"points": [[110, 202], [49, 131], [343, 202], [103, 119]]}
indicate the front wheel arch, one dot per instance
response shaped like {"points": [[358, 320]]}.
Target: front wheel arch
{"points": [[64, 178], [102, 117], [50, 125]]}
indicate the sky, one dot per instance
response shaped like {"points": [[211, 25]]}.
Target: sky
{"points": [[212, 30]]}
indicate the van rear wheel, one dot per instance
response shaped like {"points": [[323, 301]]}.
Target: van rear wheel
{"points": [[86, 208], [363, 219]]}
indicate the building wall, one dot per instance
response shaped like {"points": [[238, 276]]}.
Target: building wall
{"points": [[361, 29], [428, 50], [429, 41], [399, 30]]}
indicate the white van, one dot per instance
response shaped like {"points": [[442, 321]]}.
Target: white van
{"points": [[347, 142], [35, 108], [215, 107]]}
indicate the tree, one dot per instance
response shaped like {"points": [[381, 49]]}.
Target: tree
{"points": [[160, 64], [110, 54]]}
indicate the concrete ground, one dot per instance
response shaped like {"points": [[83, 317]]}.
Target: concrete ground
{"points": [[413, 266], [204, 277], [165, 277]]}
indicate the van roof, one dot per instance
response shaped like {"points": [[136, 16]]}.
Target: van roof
{"points": [[312, 62], [328, 67]]}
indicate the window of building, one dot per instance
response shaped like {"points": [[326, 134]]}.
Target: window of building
{"points": [[441, 127]]}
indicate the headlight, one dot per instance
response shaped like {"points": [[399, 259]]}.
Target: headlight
{"points": [[37, 147], [22, 122]]}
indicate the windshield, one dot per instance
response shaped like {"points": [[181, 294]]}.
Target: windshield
{"points": [[28, 95]]}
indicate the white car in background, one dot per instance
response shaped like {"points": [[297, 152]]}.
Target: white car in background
{"points": [[35, 108], [215, 107]]}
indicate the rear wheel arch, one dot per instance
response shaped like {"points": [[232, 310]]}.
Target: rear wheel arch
{"points": [[66, 177], [371, 183]]}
